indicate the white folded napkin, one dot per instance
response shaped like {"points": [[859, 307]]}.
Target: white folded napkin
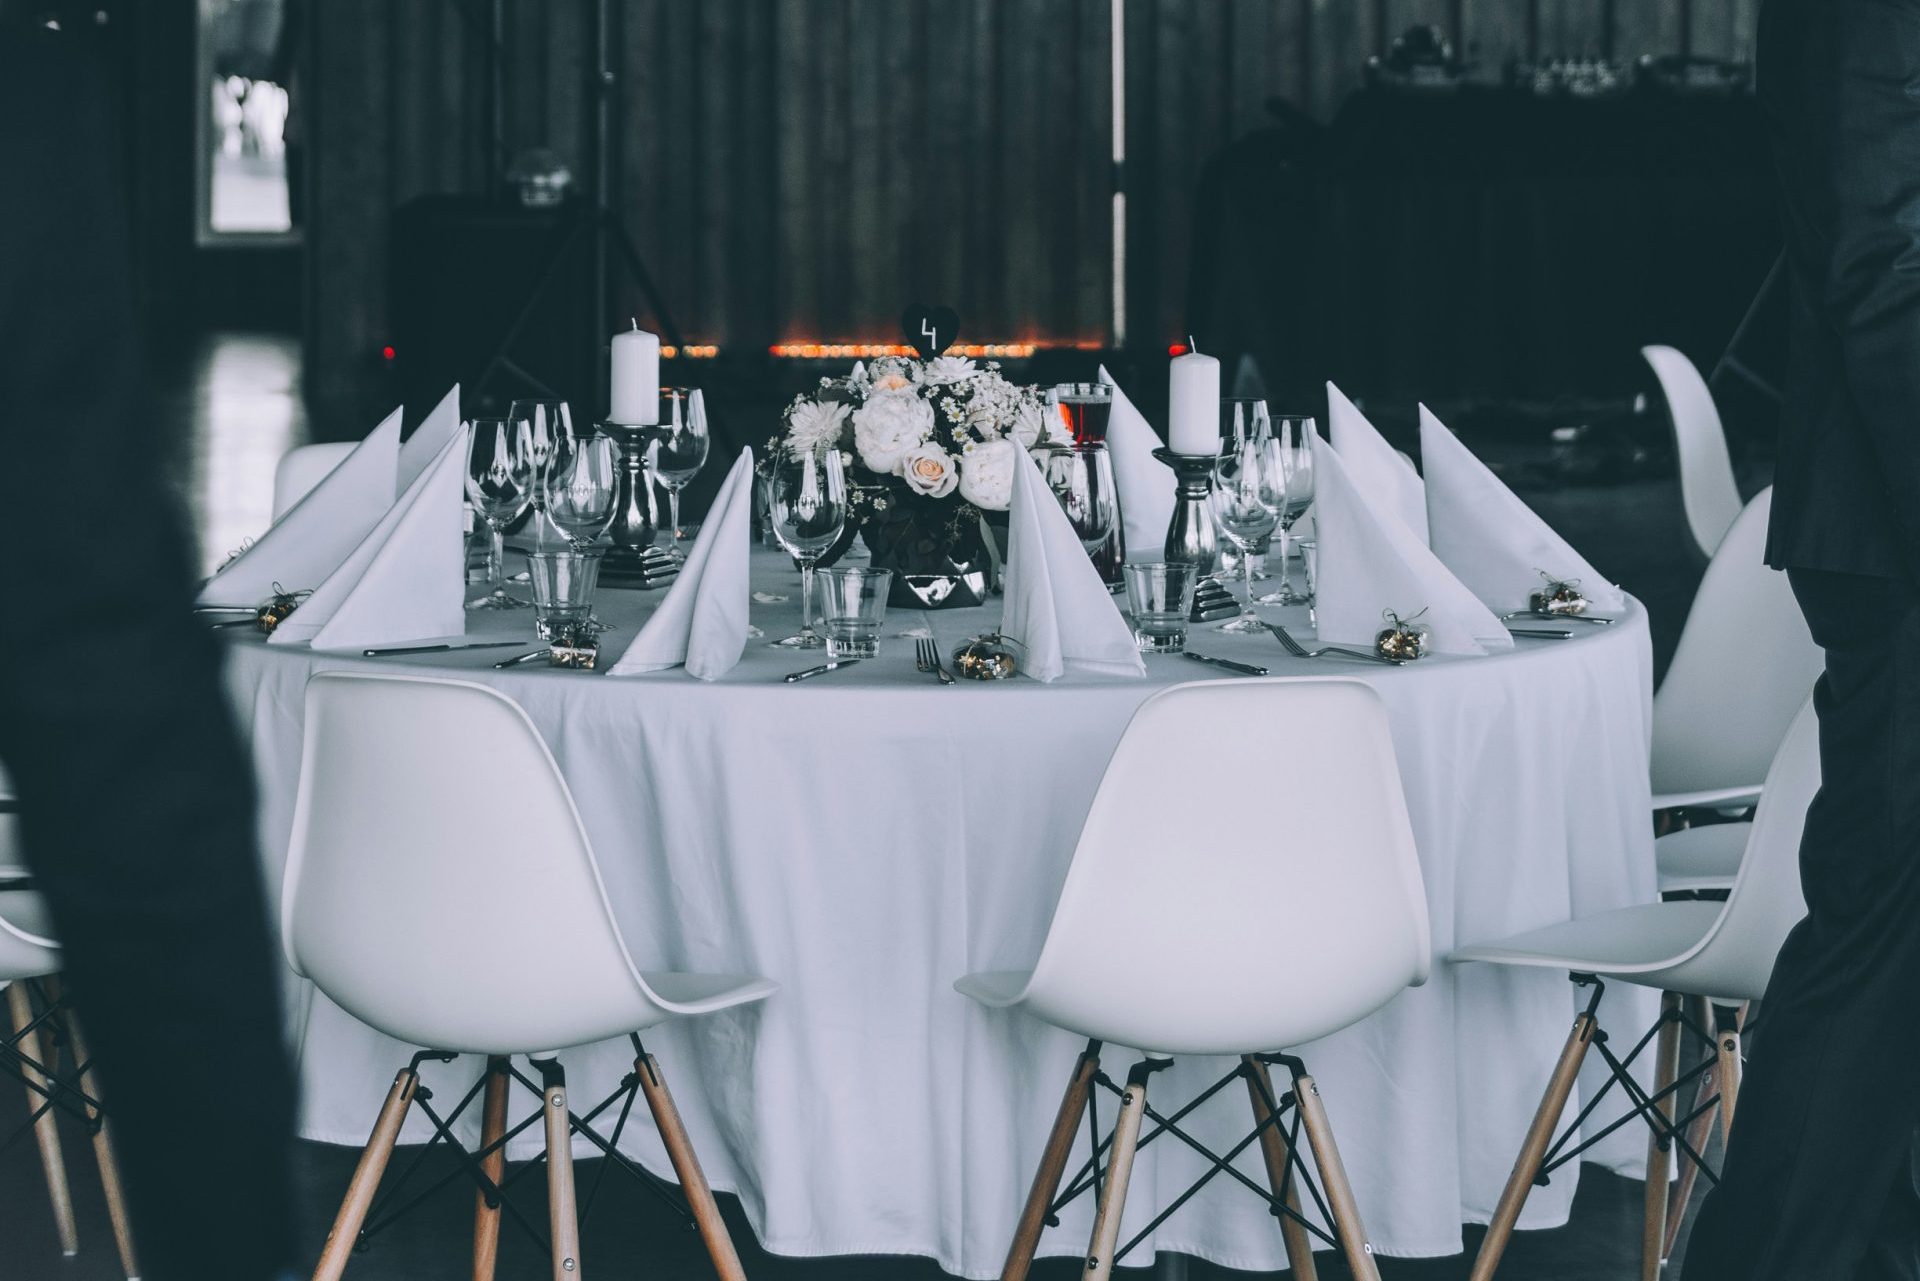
{"points": [[1369, 562], [1145, 484], [310, 540], [428, 439], [406, 581], [1381, 472], [1491, 540], [1056, 605], [702, 621]]}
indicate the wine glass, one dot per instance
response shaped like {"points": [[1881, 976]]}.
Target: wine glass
{"points": [[500, 486], [1085, 491], [807, 501], [1246, 508], [1291, 446], [546, 423], [681, 451], [582, 488]]}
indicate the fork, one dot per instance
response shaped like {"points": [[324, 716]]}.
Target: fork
{"points": [[926, 658], [1298, 650]]}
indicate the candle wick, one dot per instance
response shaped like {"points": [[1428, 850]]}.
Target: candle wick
{"points": [[1192, 346], [634, 321]]}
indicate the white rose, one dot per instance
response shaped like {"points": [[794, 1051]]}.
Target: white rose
{"points": [[949, 369], [813, 423], [986, 474], [890, 373], [888, 426], [1028, 424], [930, 470]]}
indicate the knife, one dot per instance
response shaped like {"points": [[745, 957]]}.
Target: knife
{"points": [[1245, 669], [821, 670], [1541, 633], [438, 649], [527, 657]]}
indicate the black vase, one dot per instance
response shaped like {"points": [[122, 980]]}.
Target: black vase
{"points": [[937, 564]]}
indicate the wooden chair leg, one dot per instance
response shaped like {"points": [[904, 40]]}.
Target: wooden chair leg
{"points": [[563, 1213], [366, 1177], [493, 1124], [1697, 1132], [1053, 1163], [46, 1130], [1274, 1147], [686, 1168], [1113, 1197], [1727, 1070], [1534, 1147], [103, 1155], [1333, 1177], [1666, 1066]]}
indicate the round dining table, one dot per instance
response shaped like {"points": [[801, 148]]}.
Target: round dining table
{"points": [[868, 836]]}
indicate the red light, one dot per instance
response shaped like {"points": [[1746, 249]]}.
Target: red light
{"points": [[386, 353], [1173, 349]]}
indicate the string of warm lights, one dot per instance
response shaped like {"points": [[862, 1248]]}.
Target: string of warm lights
{"points": [[868, 350], [692, 351]]}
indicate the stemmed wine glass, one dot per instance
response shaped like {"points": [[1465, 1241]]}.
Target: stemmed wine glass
{"points": [[546, 423], [1246, 507], [680, 452], [1291, 447], [807, 503], [582, 487], [1086, 494], [500, 485]]}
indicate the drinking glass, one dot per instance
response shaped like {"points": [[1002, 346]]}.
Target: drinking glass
{"points": [[853, 604], [1291, 444], [500, 485], [582, 487], [1310, 566], [680, 453], [1159, 596], [1083, 409], [563, 584], [547, 424], [1082, 479], [1246, 508], [807, 502]]}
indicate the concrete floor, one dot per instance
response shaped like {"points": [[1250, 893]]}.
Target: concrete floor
{"points": [[234, 405]]}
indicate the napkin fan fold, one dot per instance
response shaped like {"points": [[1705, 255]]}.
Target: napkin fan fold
{"points": [[702, 620]]}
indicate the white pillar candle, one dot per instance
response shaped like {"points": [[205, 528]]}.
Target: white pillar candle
{"points": [[1193, 405], [635, 397]]}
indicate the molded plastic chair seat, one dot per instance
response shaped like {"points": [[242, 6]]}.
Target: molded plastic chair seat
{"points": [[1744, 665], [1701, 858], [1708, 492], [1649, 945], [1202, 930]]}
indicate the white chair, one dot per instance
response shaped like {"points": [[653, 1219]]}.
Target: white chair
{"points": [[1707, 488], [303, 467], [1719, 954], [1744, 665], [29, 966], [407, 870], [1199, 929]]}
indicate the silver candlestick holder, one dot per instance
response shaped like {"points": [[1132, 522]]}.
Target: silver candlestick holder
{"points": [[1191, 537], [630, 558]]}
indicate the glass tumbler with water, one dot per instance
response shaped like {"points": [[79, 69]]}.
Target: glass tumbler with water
{"points": [[853, 604], [1159, 596]]}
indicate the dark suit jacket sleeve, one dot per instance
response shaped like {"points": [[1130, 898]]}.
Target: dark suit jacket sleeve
{"points": [[1873, 285]]}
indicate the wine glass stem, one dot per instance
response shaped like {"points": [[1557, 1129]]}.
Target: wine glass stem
{"points": [[496, 556], [806, 598], [1246, 569], [1286, 569], [673, 519]]}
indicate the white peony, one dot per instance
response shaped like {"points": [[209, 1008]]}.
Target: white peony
{"points": [[891, 373], [813, 423], [1029, 424], [889, 426], [986, 474], [930, 470], [948, 369]]}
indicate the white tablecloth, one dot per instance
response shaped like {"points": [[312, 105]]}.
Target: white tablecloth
{"points": [[867, 837]]}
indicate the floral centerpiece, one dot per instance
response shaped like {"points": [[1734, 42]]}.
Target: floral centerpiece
{"points": [[930, 448]]}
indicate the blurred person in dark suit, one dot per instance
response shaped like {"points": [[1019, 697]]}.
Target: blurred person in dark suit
{"points": [[1819, 1178], [135, 792]]}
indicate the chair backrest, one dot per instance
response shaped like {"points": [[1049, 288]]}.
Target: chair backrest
{"points": [[27, 946], [1707, 489], [1744, 664], [1765, 903], [301, 468], [1219, 904], [440, 886]]}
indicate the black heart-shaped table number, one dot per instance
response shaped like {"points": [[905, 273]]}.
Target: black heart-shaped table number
{"points": [[930, 330]]}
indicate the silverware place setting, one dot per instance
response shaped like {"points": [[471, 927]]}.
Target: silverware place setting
{"points": [[391, 651], [1598, 620], [821, 670], [1245, 669], [1298, 650], [926, 658]]}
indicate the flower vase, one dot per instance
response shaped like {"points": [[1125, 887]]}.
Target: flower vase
{"points": [[938, 561]]}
